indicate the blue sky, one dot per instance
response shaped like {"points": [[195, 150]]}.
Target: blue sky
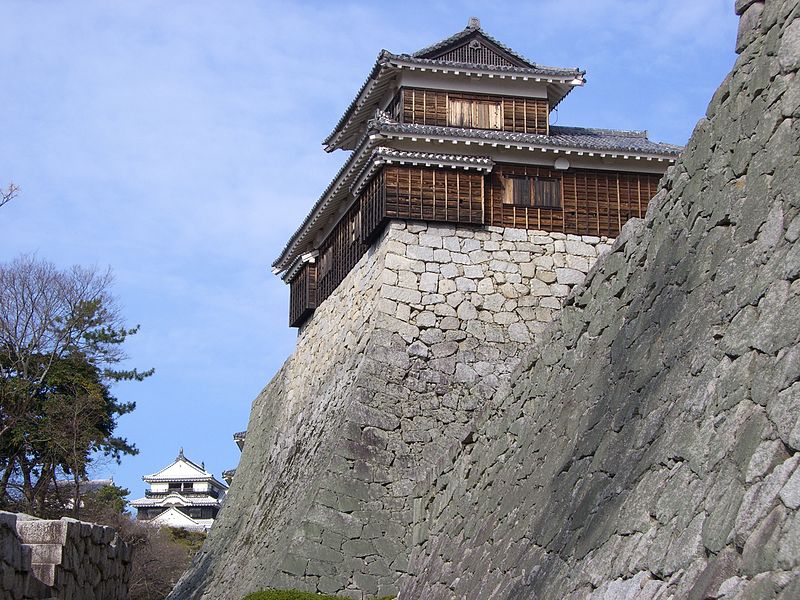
{"points": [[179, 142]]}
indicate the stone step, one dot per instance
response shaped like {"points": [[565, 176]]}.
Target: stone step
{"points": [[46, 553], [43, 532], [46, 573]]}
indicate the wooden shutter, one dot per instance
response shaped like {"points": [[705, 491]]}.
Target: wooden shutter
{"points": [[479, 114], [459, 113], [496, 115], [482, 114], [547, 193], [508, 190], [517, 191], [522, 191]]}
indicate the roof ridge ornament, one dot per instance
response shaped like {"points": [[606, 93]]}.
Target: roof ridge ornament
{"points": [[474, 23]]}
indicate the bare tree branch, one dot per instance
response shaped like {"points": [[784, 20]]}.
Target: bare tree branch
{"points": [[8, 194], [61, 336]]}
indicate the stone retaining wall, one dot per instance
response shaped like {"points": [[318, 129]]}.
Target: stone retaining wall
{"points": [[61, 559], [647, 446], [374, 392], [650, 445]]}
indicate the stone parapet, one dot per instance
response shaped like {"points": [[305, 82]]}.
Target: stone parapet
{"points": [[64, 559]]}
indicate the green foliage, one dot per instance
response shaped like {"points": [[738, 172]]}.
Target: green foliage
{"points": [[61, 340], [110, 498], [296, 595], [191, 540]]}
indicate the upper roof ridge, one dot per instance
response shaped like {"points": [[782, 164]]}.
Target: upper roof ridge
{"points": [[473, 29], [634, 133]]}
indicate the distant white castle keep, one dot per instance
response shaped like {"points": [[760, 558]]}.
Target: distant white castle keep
{"points": [[183, 495]]}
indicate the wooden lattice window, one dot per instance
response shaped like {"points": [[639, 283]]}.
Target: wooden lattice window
{"points": [[325, 262], [475, 114], [534, 192]]}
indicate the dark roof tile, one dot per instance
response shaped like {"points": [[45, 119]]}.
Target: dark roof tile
{"points": [[578, 138]]}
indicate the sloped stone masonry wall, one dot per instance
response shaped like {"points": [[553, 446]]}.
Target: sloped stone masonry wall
{"points": [[294, 425], [372, 395], [61, 559], [649, 446]]}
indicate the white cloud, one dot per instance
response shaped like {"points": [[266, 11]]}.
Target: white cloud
{"points": [[180, 143]]}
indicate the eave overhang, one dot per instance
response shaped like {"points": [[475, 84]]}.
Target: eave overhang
{"points": [[351, 181], [523, 141], [372, 153], [324, 208], [384, 74], [209, 479]]}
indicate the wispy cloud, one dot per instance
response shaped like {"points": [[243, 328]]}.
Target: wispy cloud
{"points": [[179, 142]]}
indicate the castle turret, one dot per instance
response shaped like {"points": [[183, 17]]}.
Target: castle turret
{"points": [[460, 133], [182, 494], [449, 240]]}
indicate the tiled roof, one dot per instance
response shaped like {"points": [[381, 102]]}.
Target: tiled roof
{"points": [[383, 155], [568, 138], [473, 29], [143, 502], [432, 157], [533, 71]]}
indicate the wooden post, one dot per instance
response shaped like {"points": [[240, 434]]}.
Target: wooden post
{"points": [[446, 199], [597, 204], [513, 114], [434, 193], [483, 200], [639, 193], [421, 193], [525, 115], [458, 197]]}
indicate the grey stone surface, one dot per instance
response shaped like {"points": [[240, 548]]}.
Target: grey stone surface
{"points": [[469, 416], [649, 445], [387, 374]]}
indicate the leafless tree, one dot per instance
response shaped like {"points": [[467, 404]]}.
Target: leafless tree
{"points": [[45, 314], [8, 194], [160, 554], [60, 338]]}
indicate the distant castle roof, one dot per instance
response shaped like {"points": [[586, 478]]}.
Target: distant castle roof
{"points": [[183, 469]]}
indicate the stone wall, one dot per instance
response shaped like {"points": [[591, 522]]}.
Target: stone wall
{"points": [[646, 444], [375, 391], [64, 559], [650, 443]]}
